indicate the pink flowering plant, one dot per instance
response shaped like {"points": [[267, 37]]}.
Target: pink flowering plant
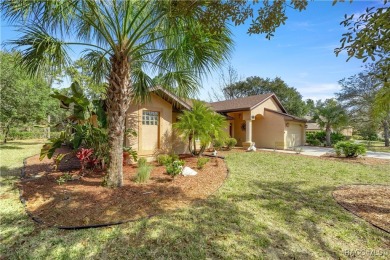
{"points": [[86, 158]]}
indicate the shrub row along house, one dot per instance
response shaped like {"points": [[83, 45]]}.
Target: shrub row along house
{"points": [[260, 119]]}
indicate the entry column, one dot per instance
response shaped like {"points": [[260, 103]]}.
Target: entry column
{"points": [[248, 133]]}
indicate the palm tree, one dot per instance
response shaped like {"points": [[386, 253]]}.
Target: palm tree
{"points": [[124, 42], [330, 115], [201, 123]]}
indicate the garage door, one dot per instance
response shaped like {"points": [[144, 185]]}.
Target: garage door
{"points": [[294, 135]]}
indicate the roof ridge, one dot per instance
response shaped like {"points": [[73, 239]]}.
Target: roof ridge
{"points": [[233, 99]]}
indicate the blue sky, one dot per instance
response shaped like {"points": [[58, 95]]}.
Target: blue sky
{"points": [[301, 52]]}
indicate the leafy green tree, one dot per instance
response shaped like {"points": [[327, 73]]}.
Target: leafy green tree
{"points": [[201, 123], [358, 94], [80, 72], [290, 98], [330, 115], [367, 38], [310, 106], [23, 99], [123, 41]]}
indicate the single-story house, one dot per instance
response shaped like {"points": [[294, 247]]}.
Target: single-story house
{"points": [[261, 119]]}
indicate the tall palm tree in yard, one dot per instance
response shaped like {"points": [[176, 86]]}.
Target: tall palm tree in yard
{"points": [[124, 42], [330, 115]]}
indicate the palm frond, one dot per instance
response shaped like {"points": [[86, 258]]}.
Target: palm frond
{"points": [[141, 84], [98, 61], [41, 50]]}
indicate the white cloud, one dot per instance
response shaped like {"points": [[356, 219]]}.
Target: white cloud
{"points": [[317, 91]]}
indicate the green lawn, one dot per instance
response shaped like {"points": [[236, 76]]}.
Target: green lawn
{"points": [[273, 205], [375, 146]]}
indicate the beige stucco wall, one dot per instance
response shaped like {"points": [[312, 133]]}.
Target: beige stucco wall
{"points": [[134, 120], [270, 104], [238, 134], [268, 130], [267, 127], [348, 131]]}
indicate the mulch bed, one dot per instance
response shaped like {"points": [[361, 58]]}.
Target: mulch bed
{"points": [[370, 202], [85, 202]]}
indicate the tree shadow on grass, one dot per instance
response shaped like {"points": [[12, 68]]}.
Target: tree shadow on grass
{"points": [[10, 147], [6, 171], [304, 209], [228, 225], [16, 143]]}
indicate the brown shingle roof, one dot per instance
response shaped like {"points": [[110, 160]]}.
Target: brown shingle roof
{"points": [[287, 116], [244, 103]]}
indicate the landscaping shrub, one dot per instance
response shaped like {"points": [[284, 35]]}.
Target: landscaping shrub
{"points": [[143, 172], [349, 149], [369, 134], [318, 138], [64, 178], [312, 138], [336, 137], [129, 151], [202, 162], [141, 162], [217, 144], [230, 143], [313, 142], [357, 137], [86, 158], [174, 157], [174, 168], [163, 159]]}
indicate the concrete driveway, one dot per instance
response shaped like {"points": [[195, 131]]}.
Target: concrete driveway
{"points": [[318, 151]]}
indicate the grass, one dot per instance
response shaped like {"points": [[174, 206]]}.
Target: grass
{"points": [[375, 146], [273, 205]]}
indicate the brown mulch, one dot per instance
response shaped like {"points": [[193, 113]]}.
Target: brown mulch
{"points": [[85, 202], [370, 202]]}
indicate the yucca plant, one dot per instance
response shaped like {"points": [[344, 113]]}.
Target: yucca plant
{"points": [[123, 41]]}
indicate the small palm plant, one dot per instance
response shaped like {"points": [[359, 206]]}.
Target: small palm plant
{"points": [[203, 124]]}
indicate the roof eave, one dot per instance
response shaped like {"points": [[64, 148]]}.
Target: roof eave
{"points": [[232, 110], [173, 96]]}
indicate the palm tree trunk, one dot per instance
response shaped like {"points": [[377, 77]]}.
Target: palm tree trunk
{"points": [[328, 131], [118, 98], [190, 145], [195, 153], [386, 132]]}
